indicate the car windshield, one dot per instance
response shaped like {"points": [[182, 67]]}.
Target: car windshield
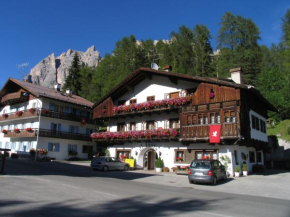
{"points": [[200, 164]]}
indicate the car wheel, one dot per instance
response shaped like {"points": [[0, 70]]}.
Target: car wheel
{"points": [[126, 168], [214, 180], [191, 182], [105, 168]]}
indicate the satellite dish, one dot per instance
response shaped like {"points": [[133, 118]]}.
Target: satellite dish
{"points": [[154, 66]]}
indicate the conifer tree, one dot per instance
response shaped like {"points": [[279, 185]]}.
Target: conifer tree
{"points": [[73, 80]]}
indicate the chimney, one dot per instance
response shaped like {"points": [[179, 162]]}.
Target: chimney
{"points": [[167, 68], [68, 92], [57, 87], [236, 75]]}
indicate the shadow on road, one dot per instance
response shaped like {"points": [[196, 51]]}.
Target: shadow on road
{"points": [[135, 206], [26, 167]]}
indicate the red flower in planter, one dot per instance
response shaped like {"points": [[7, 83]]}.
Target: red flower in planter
{"points": [[19, 113], [4, 131], [32, 110], [16, 130], [28, 129], [4, 115]]}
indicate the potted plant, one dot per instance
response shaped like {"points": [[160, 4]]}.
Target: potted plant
{"points": [[237, 171], [4, 115], [4, 131], [16, 130], [29, 129], [32, 110], [159, 165], [179, 159], [245, 169], [19, 113]]}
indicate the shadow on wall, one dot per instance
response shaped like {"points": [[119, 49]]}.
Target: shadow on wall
{"points": [[134, 206], [279, 154]]}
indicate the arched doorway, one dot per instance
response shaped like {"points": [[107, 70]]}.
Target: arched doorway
{"points": [[149, 159]]}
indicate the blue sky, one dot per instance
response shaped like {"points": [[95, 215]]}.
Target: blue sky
{"points": [[31, 30]]}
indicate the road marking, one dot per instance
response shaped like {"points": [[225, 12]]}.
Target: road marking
{"points": [[113, 195], [214, 214], [71, 186]]}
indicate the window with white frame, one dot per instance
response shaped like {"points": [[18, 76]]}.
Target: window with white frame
{"points": [[53, 147]]}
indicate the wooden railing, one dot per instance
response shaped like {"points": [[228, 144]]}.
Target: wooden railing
{"points": [[201, 132], [64, 135], [12, 98], [45, 113], [65, 116], [21, 133]]}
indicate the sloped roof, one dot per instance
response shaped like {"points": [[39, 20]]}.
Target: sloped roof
{"points": [[141, 73], [39, 91]]}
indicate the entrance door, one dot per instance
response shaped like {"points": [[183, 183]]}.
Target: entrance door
{"points": [[149, 160]]}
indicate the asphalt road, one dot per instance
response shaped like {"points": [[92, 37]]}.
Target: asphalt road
{"points": [[59, 189]]}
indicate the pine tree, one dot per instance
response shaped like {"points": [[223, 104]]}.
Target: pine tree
{"points": [[73, 80]]}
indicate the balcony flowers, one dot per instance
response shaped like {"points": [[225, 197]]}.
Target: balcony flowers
{"points": [[32, 110], [179, 159], [4, 115], [19, 113], [152, 105], [17, 130], [4, 131], [141, 134], [41, 151], [29, 129]]}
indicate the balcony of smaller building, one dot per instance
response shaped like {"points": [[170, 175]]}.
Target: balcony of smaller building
{"points": [[134, 135], [13, 98], [64, 135], [20, 133], [19, 114]]}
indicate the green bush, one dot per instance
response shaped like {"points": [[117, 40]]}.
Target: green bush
{"points": [[159, 163], [245, 167], [237, 169]]}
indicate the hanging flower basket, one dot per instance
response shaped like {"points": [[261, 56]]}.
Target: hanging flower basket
{"points": [[4, 115], [32, 110], [16, 130], [4, 131], [19, 113]]}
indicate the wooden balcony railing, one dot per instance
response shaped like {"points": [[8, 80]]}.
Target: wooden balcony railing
{"points": [[13, 98], [45, 113], [21, 133], [201, 132], [19, 114], [65, 116], [64, 135]]}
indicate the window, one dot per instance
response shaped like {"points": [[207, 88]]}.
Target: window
{"points": [[258, 124], [210, 154], [124, 154], [230, 117], [133, 101], [174, 123], [215, 118], [192, 119], [121, 127], [72, 147], [174, 95], [150, 125], [133, 126], [54, 147], [150, 98], [179, 156], [202, 119], [121, 102], [259, 157], [87, 149], [252, 157]]}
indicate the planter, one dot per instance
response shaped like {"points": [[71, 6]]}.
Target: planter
{"points": [[158, 170], [237, 174], [245, 173]]}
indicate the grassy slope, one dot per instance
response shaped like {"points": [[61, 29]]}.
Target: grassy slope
{"points": [[281, 129]]}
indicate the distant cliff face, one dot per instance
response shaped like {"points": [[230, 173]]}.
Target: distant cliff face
{"points": [[52, 70]]}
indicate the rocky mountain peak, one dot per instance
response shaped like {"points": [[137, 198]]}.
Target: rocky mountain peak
{"points": [[52, 70]]}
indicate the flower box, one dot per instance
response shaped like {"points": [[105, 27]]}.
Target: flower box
{"points": [[16, 130], [4, 131], [41, 151], [19, 113], [29, 129]]}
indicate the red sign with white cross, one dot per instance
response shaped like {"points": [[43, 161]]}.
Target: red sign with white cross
{"points": [[215, 134]]}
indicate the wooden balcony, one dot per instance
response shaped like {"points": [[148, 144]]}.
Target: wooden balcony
{"points": [[24, 114], [65, 116], [13, 98], [201, 132], [20, 133], [64, 135]]}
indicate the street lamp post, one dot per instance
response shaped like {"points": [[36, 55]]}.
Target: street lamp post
{"points": [[39, 115]]}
